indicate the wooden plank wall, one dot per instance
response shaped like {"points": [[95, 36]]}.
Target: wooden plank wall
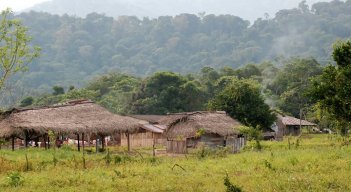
{"points": [[212, 140], [236, 144], [176, 147], [143, 139]]}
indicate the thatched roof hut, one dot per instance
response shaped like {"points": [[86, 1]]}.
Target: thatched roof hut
{"points": [[193, 129], [187, 124], [80, 116]]}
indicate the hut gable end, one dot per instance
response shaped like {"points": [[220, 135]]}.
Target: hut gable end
{"points": [[187, 124]]}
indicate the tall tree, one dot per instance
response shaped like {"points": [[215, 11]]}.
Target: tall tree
{"points": [[291, 82], [15, 51], [242, 100], [58, 90], [332, 89], [168, 92]]}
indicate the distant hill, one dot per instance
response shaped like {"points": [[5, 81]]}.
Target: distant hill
{"points": [[247, 9], [75, 50]]}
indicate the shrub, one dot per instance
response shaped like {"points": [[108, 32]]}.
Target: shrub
{"points": [[231, 187], [119, 174], [202, 152], [15, 179], [293, 161], [268, 165], [108, 158], [221, 151], [118, 159]]}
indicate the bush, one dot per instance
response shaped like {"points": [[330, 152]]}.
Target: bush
{"points": [[268, 165], [204, 151], [121, 159], [231, 187], [15, 179]]}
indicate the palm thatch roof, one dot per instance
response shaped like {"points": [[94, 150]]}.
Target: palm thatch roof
{"points": [[80, 116], [186, 125]]}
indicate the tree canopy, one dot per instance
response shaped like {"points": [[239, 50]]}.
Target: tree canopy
{"points": [[242, 100], [291, 82], [15, 51], [332, 89], [78, 49]]}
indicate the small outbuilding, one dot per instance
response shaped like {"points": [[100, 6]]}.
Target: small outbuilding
{"points": [[287, 125], [148, 134], [192, 129]]}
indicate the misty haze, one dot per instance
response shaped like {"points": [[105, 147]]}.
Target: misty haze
{"points": [[246, 9]]}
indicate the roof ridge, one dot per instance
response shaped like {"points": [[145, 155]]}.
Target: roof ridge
{"points": [[58, 105]]}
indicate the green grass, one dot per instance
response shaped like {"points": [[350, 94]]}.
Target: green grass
{"points": [[318, 163]]}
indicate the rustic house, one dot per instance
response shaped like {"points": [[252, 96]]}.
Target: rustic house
{"points": [[148, 135], [83, 118], [212, 129], [287, 125]]}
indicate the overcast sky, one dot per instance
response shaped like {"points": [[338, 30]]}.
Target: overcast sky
{"points": [[18, 5], [241, 8]]}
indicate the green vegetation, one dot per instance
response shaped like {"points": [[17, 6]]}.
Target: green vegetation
{"points": [[248, 93], [242, 100], [15, 51], [319, 163], [332, 89], [290, 84], [215, 49], [78, 49]]}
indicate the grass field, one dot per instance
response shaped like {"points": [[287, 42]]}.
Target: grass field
{"points": [[314, 163]]}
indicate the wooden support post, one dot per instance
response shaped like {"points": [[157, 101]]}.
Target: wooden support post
{"points": [[88, 140], [25, 139], [36, 142], [48, 137], [83, 141], [13, 143], [128, 141], [78, 142], [153, 145], [103, 143], [44, 137], [97, 144]]}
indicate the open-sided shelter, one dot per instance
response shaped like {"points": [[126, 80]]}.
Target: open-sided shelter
{"points": [[212, 129], [80, 117]]}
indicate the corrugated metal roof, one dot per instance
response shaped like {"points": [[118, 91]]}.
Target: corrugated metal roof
{"points": [[150, 118], [152, 128], [287, 120]]}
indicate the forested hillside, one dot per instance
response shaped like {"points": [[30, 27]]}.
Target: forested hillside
{"points": [[74, 50]]}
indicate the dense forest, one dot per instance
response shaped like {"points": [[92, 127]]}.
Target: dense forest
{"points": [[186, 63], [257, 91], [77, 49]]}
